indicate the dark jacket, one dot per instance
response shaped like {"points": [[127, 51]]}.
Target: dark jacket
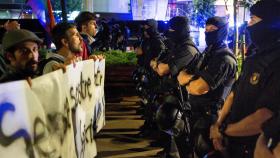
{"points": [[181, 55], [218, 70], [151, 48], [2, 65], [12, 74]]}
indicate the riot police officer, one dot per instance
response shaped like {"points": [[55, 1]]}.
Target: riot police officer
{"points": [[181, 53], [268, 143], [209, 83], [181, 47], [149, 48], [255, 97], [151, 44]]}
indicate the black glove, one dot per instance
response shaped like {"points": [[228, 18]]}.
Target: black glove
{"points": [[271, 129]]}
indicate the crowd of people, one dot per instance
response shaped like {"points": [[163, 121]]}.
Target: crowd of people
{"points": [[20, 58], [194, 104], [192, 100]]}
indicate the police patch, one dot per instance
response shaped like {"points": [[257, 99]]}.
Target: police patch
{"points": [[254, 79]]}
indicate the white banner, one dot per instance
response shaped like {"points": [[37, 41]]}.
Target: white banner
{"points": [[81, 98], [23, 130], [99, 111], [57, 117], [51, 91]]}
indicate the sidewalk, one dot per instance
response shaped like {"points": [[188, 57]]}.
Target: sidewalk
{"points": [[118, 138]]}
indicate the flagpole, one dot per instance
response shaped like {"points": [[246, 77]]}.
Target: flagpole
{"points": [[64, 11], [236, 39]]}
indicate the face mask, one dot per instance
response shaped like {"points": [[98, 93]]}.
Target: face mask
{"points": [[211, 37], [263, 34], [216, 37], [151, 32], [179, 35]]}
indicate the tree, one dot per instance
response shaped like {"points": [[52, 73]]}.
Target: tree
{"points": [[203, 9], [71, 5]]}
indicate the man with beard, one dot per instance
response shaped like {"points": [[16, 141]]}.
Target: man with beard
{"points": [[8, 26], [255, 97], [210, 83], [21, 51], [68, 42]]}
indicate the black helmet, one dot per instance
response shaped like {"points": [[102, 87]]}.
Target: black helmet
{"points": [[215, 154], [151, 97], [136, 76], [168, 113], [139, 89], [145, 79], [142, 70]]}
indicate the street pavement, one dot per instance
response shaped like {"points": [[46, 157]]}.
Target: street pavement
{"points": [[118, 139]]}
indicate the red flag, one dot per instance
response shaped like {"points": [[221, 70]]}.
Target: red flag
{"points": [[51, 16], [43, 11]]}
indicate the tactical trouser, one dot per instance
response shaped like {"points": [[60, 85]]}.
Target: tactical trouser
{"points": [[182, 140], [240, 150], [200, 134], [178, 145], [170, 149]]}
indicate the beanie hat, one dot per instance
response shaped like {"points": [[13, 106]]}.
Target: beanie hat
{"points": [[217, 21], [14, 37], [268, 10], [179, 23]]}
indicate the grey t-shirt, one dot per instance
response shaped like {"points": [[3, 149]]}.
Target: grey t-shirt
{"points": [[49, 66]]}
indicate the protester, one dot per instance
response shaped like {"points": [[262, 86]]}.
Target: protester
{"points": [[68, 44], [21, 51], [86, 25]]}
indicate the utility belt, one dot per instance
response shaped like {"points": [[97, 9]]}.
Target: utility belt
{"points": [[208, 109], [246, 141], [244, 150], [203, 116]]}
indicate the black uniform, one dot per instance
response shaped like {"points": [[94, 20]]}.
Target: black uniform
{"points": [[183, 53], [151, 48], [102, 38], [258, 85], [153, 45], [218, 70], [255, 89], [219, 73]]}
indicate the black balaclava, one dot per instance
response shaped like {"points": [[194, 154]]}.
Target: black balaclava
{"points": [[217, 37], [180, 27], [153, 27], [267, 31]]}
